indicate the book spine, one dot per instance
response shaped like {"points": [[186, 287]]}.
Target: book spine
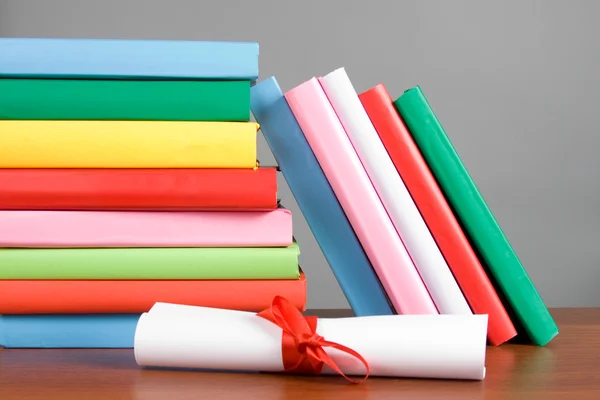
{"points": [[251, 263], [131, 297], [446, 230], [81, 331], [476, 218], [127, 144], [356, 194], [138, 189], [79, 99], [394, 195], [128, 59], [120, 229], [317, 201]]}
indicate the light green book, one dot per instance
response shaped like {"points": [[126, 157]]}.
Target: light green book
{"points": [[202, 263]]}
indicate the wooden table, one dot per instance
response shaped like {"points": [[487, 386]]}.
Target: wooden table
{"points": [[568, 368]]}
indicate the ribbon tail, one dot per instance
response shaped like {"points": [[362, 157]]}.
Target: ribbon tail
{"points": [[324, 356]]}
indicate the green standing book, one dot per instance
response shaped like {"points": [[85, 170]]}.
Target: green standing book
{"points": [[88, 99], [498, 256]]}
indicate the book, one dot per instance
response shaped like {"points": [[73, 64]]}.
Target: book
{"points": [[397, 201], [59, 331], [97, 99], [317, 201], [499, 258], [445, 228], [351, 184], [128, 59], [138, 189], [153, 263], [127, 144], [141, 229], [131, 297]]}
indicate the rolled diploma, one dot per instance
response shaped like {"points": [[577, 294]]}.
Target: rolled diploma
{"points": [[420, 346]]}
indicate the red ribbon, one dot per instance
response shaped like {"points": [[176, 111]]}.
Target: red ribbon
{"points": [[302, 347]]}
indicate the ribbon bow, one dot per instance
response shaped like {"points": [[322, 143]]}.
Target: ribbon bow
{"points": [[302, 348]]}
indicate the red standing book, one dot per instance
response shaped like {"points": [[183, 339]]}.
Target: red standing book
{"points": [[445, 228], [138, 189]]}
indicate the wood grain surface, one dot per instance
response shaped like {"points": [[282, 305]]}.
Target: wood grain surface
{"points": [[568, 368]]}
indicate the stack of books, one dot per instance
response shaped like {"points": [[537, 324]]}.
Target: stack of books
{"points": [[396, 213], [129, 176]]}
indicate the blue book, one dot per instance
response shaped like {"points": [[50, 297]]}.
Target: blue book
{"points": [[128, 59], [317, 201], [68, 331]]}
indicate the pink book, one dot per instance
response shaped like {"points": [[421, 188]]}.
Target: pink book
{"points": [[358, 198], [72, 229]]}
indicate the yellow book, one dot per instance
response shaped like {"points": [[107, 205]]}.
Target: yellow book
{"points": [[127, 144]]}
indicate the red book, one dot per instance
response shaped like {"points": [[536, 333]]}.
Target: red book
{"points": [[138, 189], [443, 225], [121, 296]]}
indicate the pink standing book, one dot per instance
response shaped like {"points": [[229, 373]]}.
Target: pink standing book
{"points": [[72, 229], [358, 198]]}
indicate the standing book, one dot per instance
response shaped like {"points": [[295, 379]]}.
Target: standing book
{"points": [[475, 216], [438, 215], [359, 200], [394, 195], [317, 201]]}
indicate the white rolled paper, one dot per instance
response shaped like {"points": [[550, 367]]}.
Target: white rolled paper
{"points": [[418, 346]]}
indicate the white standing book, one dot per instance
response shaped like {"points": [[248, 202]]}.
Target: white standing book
{"points": [[398, 202]]}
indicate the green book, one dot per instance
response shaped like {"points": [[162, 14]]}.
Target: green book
{"points": [[256, 263], [501, 262], [75, 99]]}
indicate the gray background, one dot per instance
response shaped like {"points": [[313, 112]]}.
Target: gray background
{"points": [[515, 83]]}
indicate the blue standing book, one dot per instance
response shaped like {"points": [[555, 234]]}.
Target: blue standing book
{"points": [[128, 59], [317, 201], [112, 331]]}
